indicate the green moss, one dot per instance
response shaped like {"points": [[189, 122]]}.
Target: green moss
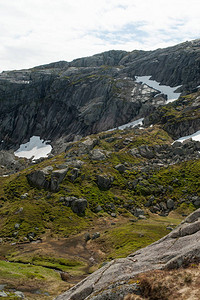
{"points": [[71, 266], [16, 270], [130, 237]]}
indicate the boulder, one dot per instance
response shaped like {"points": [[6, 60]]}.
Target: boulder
{"points": [[47, 178], [78, 206], [121, 168], [95, 235], [97, 154], [138, 212], [104, 181], [74, 174], [170, 204]]}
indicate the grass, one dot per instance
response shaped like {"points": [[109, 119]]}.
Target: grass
{"points": [[71, 266], [128, 238]]}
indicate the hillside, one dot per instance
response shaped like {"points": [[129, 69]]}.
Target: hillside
{"points": [[101, 195]]}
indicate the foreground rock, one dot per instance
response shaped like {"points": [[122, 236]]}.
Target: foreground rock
{"points": [[179, 248]]}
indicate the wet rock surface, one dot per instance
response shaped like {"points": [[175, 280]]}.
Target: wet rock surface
{"points": [[179, 248]]}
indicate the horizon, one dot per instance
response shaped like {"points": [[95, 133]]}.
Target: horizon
{"points": [[36, 33]]}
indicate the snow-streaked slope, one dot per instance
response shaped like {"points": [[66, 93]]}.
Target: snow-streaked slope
{"points": [[195, 136]]}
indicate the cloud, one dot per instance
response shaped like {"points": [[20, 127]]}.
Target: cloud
{"points": [[34, 32]]}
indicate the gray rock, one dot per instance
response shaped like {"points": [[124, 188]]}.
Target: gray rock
{"points": [[46, 178], [142, 217], [104, 181], [95, 235], [17, 225], [113, 215], [74, 174], [179, 248], [24, 196], [98, 208], [83, 89], [170, 204], [19, 294], [87, 237], [79, 205], [138, 212], [68, 200], [97, 154], [3, 294], [121, 168]]}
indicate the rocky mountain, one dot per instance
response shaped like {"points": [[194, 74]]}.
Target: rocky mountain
{"points": [[104, 202], [65, 100]]}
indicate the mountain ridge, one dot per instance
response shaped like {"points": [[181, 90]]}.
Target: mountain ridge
{"points": [[65, 102]]}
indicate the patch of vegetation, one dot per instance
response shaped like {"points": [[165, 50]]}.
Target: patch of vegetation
{"points": [[128, 238]]}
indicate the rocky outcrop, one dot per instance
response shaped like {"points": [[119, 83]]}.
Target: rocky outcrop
{"points": [[47, 178], [62, 101], [179, 118], [179, 248]]}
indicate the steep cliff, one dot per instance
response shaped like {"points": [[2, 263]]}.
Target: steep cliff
{"points": [[89, 95]]}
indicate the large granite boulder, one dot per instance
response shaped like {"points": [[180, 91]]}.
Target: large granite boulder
{"points": [[179, 248]]}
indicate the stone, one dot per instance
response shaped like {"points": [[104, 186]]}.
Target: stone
{"points": [[113, 215], [24, 196], [121, 168], [47, 178], [3, 294], [87, 237], [17, 225], [97, 154], [57, 177], [98, 208], [142, 217], [19, 294], [95, 235], [79, 206], [170, 204], [138, 212], [74, 174], [104, 181], [68, 200]]}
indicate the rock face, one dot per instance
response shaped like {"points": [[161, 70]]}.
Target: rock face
{"points": [[179, 248], [62, 100]]}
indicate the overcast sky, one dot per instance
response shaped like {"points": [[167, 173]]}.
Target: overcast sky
{"points": [[35, 32]]}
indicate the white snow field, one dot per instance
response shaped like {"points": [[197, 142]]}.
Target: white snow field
{"points": [[35, 149], [167, 90]]}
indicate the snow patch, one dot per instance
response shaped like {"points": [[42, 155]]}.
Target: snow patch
{"points": [[35, 149], [195, 136], [129, 125], [164, 89]]}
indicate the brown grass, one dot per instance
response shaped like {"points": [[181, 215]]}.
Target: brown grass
{"points": [[181, 284]]}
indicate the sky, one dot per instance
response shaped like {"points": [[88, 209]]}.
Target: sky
{"points": [[36, 32]]}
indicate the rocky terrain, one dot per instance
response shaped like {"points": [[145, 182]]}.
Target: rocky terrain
{"points": [[113, 281], [104, 202], [63, 101]]}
